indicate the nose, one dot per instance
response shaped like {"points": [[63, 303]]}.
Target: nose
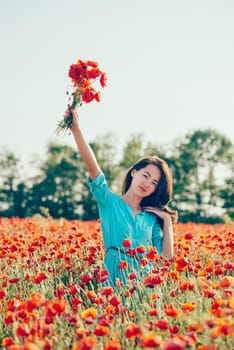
{"points": [[147, 183]]}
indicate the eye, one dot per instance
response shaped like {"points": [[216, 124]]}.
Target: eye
{"points": [[155, 183], [145, 175]]}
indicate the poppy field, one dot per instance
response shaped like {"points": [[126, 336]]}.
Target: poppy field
{"points": [[52, 295]]}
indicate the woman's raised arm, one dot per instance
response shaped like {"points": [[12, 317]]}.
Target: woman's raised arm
{"points": [[83, 146]]}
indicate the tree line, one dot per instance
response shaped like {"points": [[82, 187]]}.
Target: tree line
{"points": [[202, 165]]}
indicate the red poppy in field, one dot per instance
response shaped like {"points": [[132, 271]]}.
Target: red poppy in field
{"points": [[9, 318], [227, 281], [144, 261], [87, 277], [152, 254], [174, 329], [152, 280], [207, 347], [174, 275], [82, 332], [91, 295], [72, 290], [123, 265], [153, 312], [107, 291], [59, 292], [101, 331], [3, 293], [170, 310], [195, 327], [132, 276], [208, 292], [22, 330], [162, 324], [151, 340], [76, 302], [102, 275], [173, 293], [132, 331], [14, 280], [113, 344], [174, 344], [126, 243], [89, 313], [114, 300], [181, 263], [40, 277], [6, 342], [35, 301], [188, 236], [188, 307], [141, 249], [186, 285], [86, 343]]}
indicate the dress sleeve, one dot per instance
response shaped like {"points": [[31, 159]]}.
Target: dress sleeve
{"points": [[99, 187], [157, 236]]}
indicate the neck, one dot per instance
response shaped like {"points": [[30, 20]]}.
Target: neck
{"points": [[133, 201]]}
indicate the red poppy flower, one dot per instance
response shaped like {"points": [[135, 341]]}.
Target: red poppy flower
{"points": [[152, 280], [113, 344], [162, 324], [83, 75], [102, 275], [3, 293], [123, 265], [87, 343], [115, 300], [86, 278], [132, 331], [107, 291], [127, 243], [151, 340], [7, 341], [103, 80], [174, 344], [101, 331]]}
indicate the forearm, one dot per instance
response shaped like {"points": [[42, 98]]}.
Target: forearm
{"points": [[86, 153], [168, 239]]}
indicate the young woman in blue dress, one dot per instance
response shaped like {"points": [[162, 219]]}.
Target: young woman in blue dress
{"points": [[133, 217]]}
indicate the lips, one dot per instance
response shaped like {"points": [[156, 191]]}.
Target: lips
{"points": [[143, 189]]}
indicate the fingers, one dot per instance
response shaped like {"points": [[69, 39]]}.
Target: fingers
{"points": [[73, 112]]}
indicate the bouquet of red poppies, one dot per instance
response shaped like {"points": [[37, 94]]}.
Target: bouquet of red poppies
{"points": [[83, 75]]}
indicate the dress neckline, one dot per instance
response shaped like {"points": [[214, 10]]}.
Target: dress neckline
{"points": [[130, 209]]}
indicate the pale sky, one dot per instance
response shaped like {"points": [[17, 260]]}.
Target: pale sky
{"points": [[169, 63]]}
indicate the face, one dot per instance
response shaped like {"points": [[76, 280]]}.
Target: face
{"points": [[145, 180]]}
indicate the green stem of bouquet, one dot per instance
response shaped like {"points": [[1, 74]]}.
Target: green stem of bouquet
{"points": [[66, 124]]}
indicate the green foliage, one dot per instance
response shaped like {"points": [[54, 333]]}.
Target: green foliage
{"points": [[201, 163], [12, 190], [198, 179], [54, 187]]}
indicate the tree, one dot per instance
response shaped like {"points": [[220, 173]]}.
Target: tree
{"points": [[56, 187], [12, 195], [227, 195], [196, 164]]}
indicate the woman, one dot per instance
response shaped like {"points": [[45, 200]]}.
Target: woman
{"points": [[134, 217]]}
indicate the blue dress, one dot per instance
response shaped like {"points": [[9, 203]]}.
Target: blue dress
{"points": [[119, 223]]}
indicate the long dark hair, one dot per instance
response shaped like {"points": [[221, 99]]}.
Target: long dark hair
{"points": [[163, 193]]}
